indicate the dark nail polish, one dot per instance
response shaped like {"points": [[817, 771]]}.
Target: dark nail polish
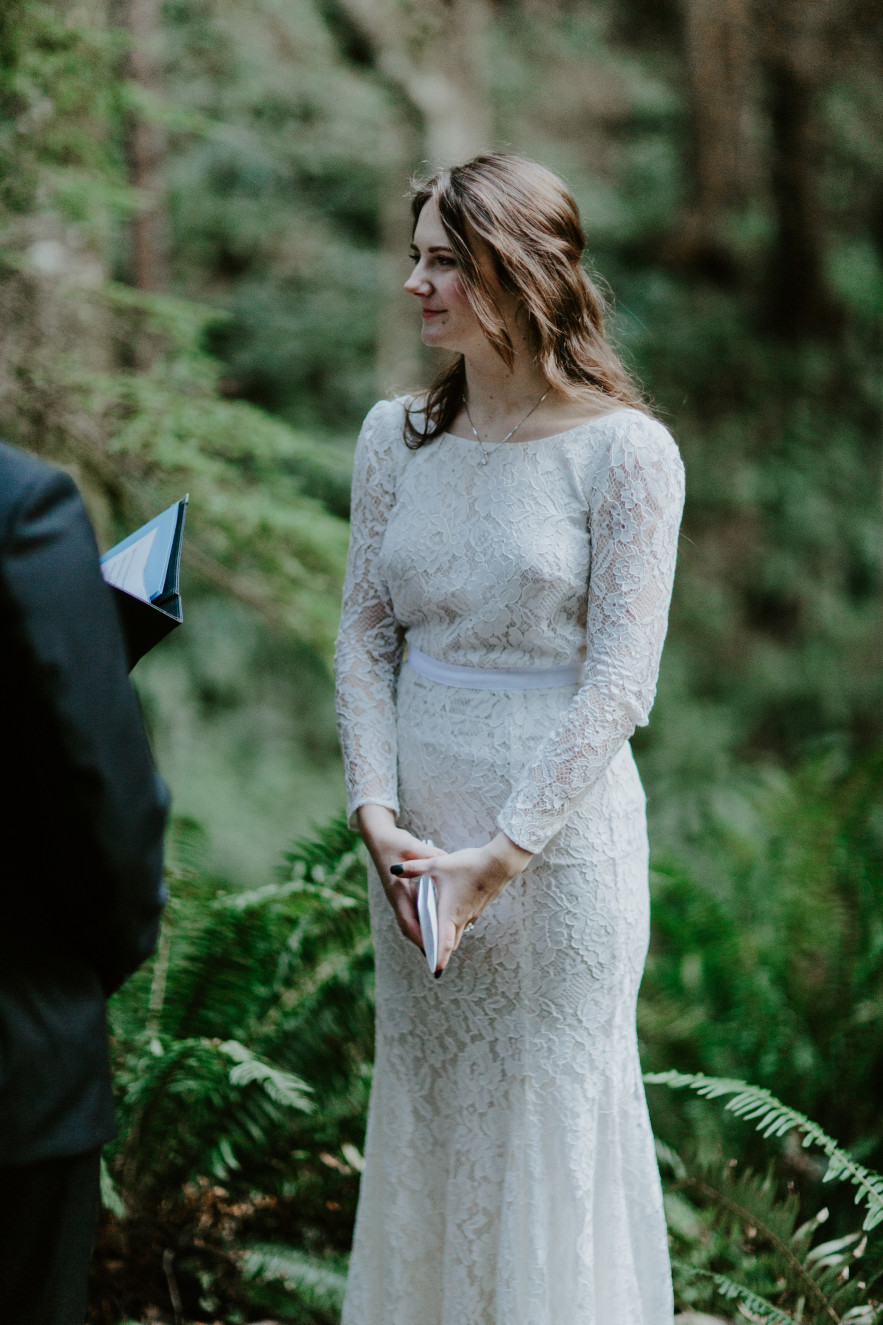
{"points": [[438, 974], [395, 869]]}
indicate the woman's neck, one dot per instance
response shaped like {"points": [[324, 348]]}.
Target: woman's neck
{"points": [[495, 392]]}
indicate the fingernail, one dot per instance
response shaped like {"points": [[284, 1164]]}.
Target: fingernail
{"points": [[438, 974], [395, 869]]}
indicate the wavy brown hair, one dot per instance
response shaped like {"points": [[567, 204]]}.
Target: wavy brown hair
{"points": [[529, 220]]}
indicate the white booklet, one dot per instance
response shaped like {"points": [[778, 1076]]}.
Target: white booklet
{"points": [[427, 914]]}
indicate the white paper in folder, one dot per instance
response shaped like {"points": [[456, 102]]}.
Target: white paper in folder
{"points": [[427, 914]]}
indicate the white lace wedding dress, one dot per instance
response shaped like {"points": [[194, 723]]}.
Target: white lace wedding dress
{"points": [[510, 1173]]}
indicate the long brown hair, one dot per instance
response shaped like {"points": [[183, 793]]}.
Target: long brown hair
{"points": [[530, 222]]}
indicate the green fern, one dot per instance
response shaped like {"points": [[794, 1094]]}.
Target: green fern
{"points": [[759, 1309], [773, 1118], [202, 1100], [283, 1087], [318, 1283], [820, 1277], [110, 1196], [242, 1057]]}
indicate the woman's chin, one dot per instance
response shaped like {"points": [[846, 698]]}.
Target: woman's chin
{"points": [[435, 339]]}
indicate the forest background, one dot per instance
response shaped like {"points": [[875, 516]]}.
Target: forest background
{"points": [[203, 237]]}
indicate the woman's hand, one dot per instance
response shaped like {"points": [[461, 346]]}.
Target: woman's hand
{"points": [[387, 845], [467, 882]]}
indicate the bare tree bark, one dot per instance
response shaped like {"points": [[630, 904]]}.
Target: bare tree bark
{"points": [[147, 150], [788, 43], [799, 34], [718, 53], [433, 53]]}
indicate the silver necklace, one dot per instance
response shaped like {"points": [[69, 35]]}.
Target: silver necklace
{"points": [[485, 455]]}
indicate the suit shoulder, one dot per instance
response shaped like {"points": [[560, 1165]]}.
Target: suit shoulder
{"points": [[27, 483], [22, 473]]}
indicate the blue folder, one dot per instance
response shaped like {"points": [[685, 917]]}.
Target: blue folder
{"points": [[143, 571]]}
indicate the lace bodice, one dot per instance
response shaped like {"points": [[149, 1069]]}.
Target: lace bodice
{"points": [[553, 551]]}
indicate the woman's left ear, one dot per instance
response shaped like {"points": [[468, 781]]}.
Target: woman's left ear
{"points": [[524, 322]]}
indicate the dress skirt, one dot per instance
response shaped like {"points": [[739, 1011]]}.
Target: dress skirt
{"points": [[510, 1171]]}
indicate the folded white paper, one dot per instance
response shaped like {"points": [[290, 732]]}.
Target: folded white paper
{"points": [[427, 914], [126, 569]]}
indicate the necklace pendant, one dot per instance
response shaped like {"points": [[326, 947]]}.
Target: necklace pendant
{"points": [[485, 455]]}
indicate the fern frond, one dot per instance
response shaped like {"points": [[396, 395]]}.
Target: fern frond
{"points": [[316, 1282], [751, 1202], [281, 892], [201, 1104], [758, 1309], [284, 1087], [110, 1196], [833, 1253], [773, 1118], [668, 1157]]}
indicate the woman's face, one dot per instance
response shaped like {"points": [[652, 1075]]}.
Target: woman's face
{"points": [[448, 320]]}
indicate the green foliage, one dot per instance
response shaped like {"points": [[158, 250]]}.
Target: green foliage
{"points": [[242, 1061], [275, 205], [318, 1285], [772, 1118], [57, 152], [116, 386], [242, 725], [151, 419], [256, 532], [741, 1240], [767, 954], [243, 1053]]}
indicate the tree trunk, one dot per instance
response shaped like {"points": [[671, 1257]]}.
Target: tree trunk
{"points": [[434, 54], [798, 302], [433, 57], [718, 57], [146, 150]]}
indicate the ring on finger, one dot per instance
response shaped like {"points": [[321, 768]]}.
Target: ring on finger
{"points": [[471, 925]]}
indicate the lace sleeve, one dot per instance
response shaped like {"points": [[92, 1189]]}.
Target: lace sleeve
{"points": [[635, 505], [369, 642]]}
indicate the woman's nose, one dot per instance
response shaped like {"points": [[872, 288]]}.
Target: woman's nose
{"points": [[417, 284]]}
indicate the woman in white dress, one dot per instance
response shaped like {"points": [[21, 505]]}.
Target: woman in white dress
{"points": [[513, 540]]}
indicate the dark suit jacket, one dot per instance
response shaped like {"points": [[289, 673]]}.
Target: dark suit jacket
{"points": [[81, 820]]}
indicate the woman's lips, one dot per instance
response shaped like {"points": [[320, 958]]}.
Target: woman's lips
{"points": [[428, 313]]}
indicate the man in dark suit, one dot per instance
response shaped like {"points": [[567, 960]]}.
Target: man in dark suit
{"points": [[82, 821]]}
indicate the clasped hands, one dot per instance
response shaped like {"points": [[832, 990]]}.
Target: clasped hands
{"points": [[467, 881]]}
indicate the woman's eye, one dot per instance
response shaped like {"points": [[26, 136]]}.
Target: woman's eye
{"points": [[437, 259]]}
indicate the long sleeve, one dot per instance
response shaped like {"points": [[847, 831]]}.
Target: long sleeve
{"points": [[369, 642], [82, 767], [635, 502]]}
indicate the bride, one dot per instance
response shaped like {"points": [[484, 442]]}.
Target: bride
{"points": [[511, 560]]}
